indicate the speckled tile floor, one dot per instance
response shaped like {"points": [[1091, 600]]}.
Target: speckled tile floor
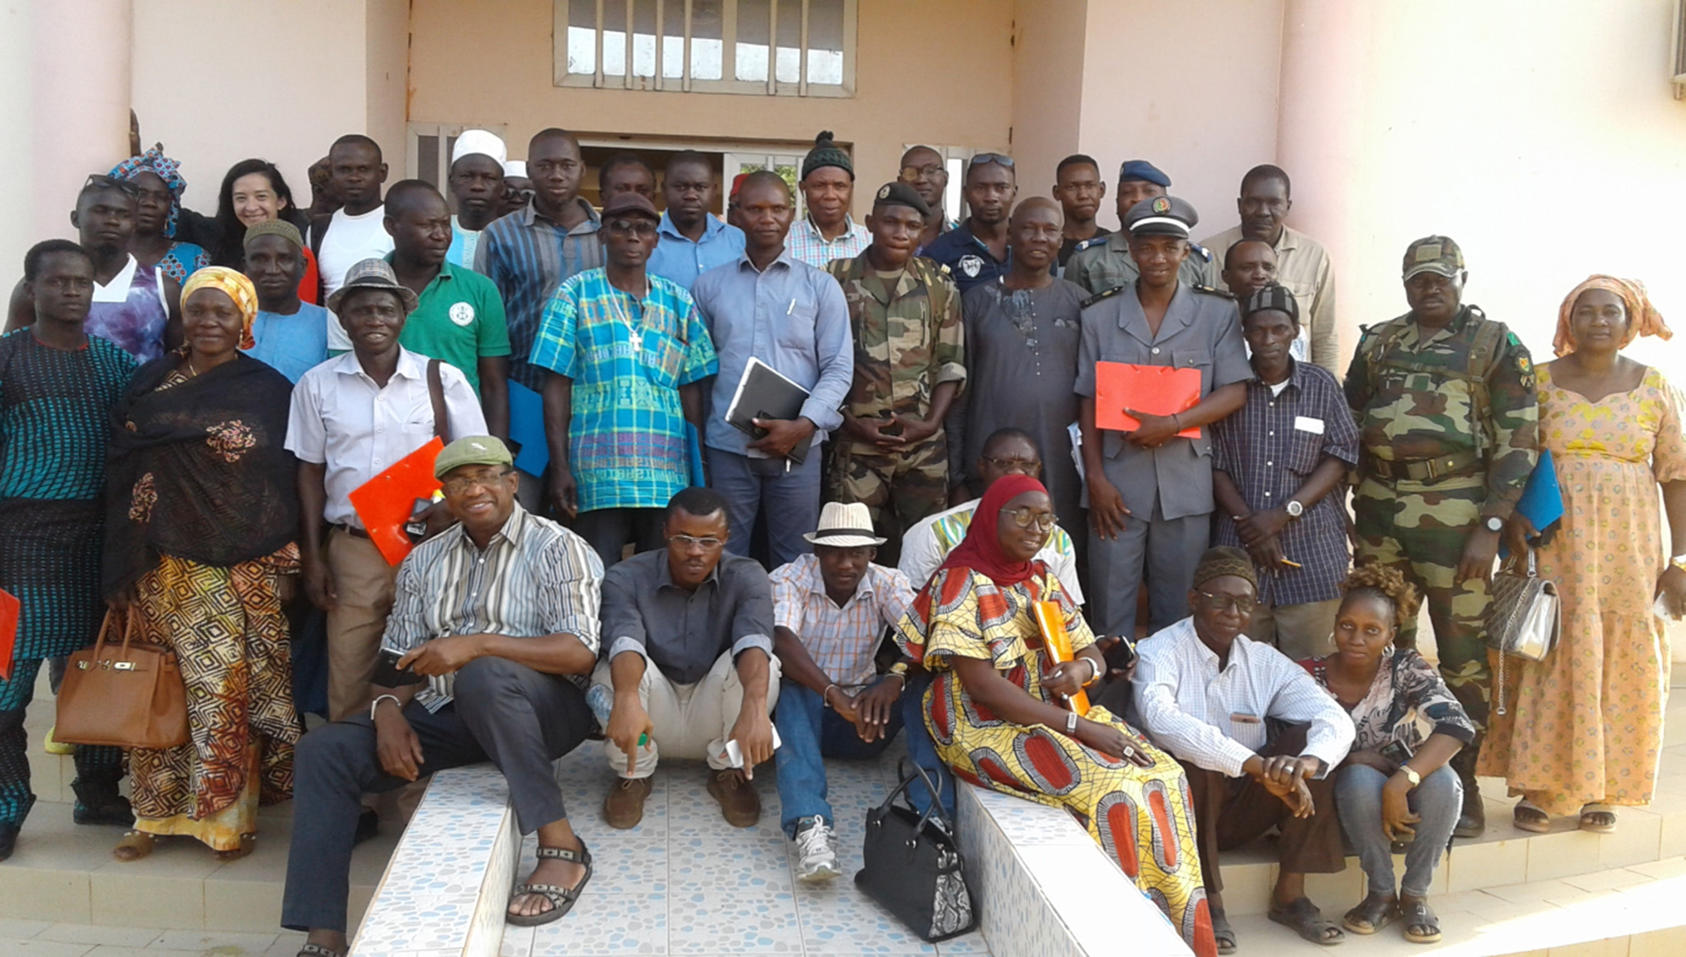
{"points": [[685, 882]]}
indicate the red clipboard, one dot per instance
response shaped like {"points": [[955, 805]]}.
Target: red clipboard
{"points": [[9, 607], [385, 502], [1158, 390]]}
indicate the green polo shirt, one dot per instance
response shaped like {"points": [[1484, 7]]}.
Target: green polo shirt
{"points": [[458, 319]]}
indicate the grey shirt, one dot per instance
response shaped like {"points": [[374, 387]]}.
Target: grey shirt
{"points": [[682, 632], [1200, 331]]}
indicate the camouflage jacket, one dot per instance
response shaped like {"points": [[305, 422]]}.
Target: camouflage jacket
{"points": [[1468, 387], [906, 345], [1104, 262]]}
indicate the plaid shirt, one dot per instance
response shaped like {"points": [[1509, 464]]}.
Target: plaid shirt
{"points": [[805, 243], [527, 256], [535, 578], [626, 440], [1268, 448], [840, 640]]}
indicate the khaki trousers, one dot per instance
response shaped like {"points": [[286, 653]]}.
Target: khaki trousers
{"points": [[691, 721], [364, 582], [1300, 631]]}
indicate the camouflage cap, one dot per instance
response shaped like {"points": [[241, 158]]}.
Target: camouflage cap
{"points": [[899, 193], [1435, 254]]}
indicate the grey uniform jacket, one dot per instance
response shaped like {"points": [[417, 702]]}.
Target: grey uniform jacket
{"points": [[1201, 330]]}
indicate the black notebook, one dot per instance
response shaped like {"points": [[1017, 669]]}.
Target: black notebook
{"points": [[765, 394]]}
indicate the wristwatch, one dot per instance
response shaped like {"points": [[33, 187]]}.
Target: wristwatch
{"points": [[1071, 722], [1410, 774], [1678, 561], [1294, 508], [1495, 523]]}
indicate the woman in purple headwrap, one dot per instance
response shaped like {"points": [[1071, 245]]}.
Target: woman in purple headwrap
{"points": [[157, 208]]}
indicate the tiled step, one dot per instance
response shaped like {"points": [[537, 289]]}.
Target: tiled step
{"points": [[1616, 912], [65, 873]]}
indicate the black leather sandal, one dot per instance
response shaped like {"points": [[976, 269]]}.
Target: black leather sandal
{"points": [[561, 898], [317, 950], [1375, 911], [1421, 926]]}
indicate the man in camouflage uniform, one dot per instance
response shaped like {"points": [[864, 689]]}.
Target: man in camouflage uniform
{"points": [[1444, 399], [1104, 262], [910, 363]]}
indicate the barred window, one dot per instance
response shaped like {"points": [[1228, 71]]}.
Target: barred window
{"points": [[767, 47]]}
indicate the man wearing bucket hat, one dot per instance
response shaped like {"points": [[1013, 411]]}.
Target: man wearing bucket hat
{"points": [[352, 418], [1447, 422], [830, 609]]}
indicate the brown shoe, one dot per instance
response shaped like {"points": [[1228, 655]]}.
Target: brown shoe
{"points": [[739, 804], [623, 807]]}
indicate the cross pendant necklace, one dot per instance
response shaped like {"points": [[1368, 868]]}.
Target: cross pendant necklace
{"points": [[634, 335]]}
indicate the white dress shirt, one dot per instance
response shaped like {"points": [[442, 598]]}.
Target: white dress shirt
{"points": [[342, 419], [1216, 719]]}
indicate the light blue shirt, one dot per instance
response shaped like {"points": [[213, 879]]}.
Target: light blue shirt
{"points": [[292, 345], [682, 261], [463, 244], [793, 317]]}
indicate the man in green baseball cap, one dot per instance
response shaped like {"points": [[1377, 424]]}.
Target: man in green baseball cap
{"points": [[492, 633]]}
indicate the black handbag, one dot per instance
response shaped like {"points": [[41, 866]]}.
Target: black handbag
{"points": [[913, 868]]}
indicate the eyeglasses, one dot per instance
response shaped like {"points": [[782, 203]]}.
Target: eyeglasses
{"points": [[462, 484], [688, 542], [631, 227], [1015, 464], [1024, 517], [929, 171], [105, 181], [1240, 604], [983, 159]]}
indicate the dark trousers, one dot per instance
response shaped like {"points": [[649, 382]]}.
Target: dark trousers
{"points": [[519, 719], [1230, 812], [607, 530]]}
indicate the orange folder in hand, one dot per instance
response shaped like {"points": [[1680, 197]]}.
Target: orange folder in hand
{"points": [[385, 502], [1158, 390], [1051, 620], [8, 631]]}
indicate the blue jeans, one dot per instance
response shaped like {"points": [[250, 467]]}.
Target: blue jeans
{"points": [[1438, 800], [789, 500]]}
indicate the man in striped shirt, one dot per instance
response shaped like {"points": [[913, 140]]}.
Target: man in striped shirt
{"points": [[494, 630]]}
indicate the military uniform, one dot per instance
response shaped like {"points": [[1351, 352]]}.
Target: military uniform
{"points": [[1104, 263], [909, 339], [1447, 424]]}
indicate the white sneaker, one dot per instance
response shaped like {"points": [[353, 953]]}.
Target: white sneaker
{"points": [[816, 846]]}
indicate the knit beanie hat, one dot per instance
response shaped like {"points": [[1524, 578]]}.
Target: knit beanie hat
{"points": [[827, 153]]}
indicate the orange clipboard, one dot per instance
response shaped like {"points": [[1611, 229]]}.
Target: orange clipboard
{"points": [[385, 502], [9, 607], [1158, 390], [1051, 620]]}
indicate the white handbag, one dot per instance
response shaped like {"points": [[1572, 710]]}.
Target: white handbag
{"points": [[1524, 616]]}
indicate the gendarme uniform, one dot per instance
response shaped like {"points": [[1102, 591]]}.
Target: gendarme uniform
{"points": [[909, 339], [1103, 262], [1447, 422], [1168, 489]]}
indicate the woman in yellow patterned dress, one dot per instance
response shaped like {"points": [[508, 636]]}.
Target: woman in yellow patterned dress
{"points": [[997, 713], [202, 511], [1585, 733]]}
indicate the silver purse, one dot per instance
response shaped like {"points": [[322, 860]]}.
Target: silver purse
{"points": [[1524, 616]]}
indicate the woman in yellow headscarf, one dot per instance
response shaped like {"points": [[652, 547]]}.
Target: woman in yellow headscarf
{"points": [[1585, 731], [201, 516]]}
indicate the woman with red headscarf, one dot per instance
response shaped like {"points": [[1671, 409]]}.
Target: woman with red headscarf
{"points": [[1586, 729], [998, 712]]}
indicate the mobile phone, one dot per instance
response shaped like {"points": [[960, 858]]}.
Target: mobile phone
{"points": [[733, 753], [389, 675], [1119, 652], [1397, 751]]}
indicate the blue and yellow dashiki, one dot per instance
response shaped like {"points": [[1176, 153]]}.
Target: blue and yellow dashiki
{"points": [[55, 416], [627, 360]]}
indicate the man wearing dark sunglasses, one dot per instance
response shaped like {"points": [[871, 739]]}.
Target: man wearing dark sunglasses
{"points": [[1257, 737], [137, 308], [923, 168], [976, 251]]}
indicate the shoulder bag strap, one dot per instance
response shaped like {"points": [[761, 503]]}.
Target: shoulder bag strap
{"points": [[436, 394]]}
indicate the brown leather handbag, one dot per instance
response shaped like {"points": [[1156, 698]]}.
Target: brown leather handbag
{"points": [[128, 696]]}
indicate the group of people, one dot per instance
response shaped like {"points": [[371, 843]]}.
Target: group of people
{"points": [[188, 405]]}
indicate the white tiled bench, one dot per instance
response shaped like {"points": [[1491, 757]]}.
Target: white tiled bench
{"points": [[1045, 887], [446, 887]]}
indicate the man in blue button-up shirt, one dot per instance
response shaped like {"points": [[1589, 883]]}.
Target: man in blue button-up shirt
{"points": [[692, 240], [793, 317]]}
